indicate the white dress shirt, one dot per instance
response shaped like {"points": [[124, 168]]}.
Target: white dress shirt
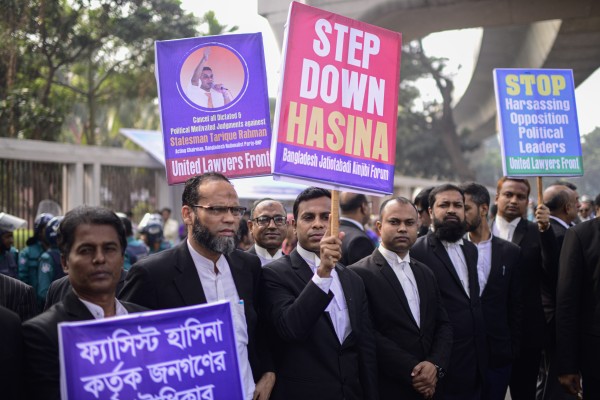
{"points": [[337, 308], [404, 273], [221, 286], [265, 256], [560, 221], [459, 262], [98, 312], [484, 261], [504, 229]]}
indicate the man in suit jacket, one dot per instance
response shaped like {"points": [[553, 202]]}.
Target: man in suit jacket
{"points": [[412, 331], [537, 243], [355, 213], [563, 204], [454, 263], [18, 297], [498, 268], [92, 244], [11, 355], [319, 310], [577, 316], [59, 289], [207, 268], [268, 225]]}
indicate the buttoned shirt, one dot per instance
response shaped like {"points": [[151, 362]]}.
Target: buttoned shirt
{"points": [[404, 273], [459, 262], [337, 308], [265, 256], [504, 229], [221, 286], [484, 261], [98, 312]]}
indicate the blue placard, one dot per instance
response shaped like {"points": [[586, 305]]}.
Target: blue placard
{"points": [[185, 353], [538, 122]]}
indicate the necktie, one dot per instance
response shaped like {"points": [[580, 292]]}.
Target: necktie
{"points": [[413, 295], [210, 103]]}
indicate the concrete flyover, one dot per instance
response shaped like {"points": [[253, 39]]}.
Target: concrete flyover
{"points": [[517, 34]]}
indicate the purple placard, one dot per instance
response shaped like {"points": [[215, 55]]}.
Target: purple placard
{"points": [[214, 106], [172, 354]]}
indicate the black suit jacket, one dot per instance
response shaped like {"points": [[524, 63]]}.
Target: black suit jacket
{"points": [[42, 368], [60, 287], [401, 343], [252, 250], [356, 245], [468, 360], [538, 255], [578, 301], [550, 278], [169, 279], [311, 362], [501, 303], [18, 297], [11, 355]]}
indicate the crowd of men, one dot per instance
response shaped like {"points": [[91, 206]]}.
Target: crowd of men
{"points": [[446, 302]]}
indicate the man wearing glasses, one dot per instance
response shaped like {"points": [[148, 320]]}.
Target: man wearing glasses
{"points": [[268, 224], [206, 268], [208, 94]]}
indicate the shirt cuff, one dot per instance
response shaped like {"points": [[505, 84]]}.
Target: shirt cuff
{"points": [[323, 283]]}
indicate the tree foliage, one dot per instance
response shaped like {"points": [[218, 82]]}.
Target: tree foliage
{"points": [[428, 144], [70, 63], [590, 182]]}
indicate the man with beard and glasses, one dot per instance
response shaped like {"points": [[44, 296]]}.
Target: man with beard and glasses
{"points": [[206, 268], [454, 263], [498, 267]]}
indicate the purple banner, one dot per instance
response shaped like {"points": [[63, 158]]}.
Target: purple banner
{"points": [[214, 106], [185, 353]]}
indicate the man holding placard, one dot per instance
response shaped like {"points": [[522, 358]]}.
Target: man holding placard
{"points": [[319, 311]]}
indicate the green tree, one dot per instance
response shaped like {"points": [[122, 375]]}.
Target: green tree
{"points": [[93, 52], [590, 146], [428, 144]]}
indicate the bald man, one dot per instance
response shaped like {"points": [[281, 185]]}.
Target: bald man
{"points": [[355, 213]]}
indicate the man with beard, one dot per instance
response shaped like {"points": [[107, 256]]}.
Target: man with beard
{"points": [[206, 268], [498, 268], [268, 224], [454, 263]]}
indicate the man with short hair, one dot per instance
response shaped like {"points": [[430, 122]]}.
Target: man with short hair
{"points": [[498, 269], [586, 210], [413, 333], [92, 243], [207, 268], [536, 241], [170, 226], [422, 204], [268, 224], [562, 202], [203, 91], [355, 213], [318, 309], [454, 263]]}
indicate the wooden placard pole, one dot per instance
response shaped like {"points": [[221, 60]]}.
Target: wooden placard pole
{"points": [[540, 190], [334, 218]]}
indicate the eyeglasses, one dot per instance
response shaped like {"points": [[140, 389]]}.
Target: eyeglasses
{"points": [[279, 220], [222, 210]]}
